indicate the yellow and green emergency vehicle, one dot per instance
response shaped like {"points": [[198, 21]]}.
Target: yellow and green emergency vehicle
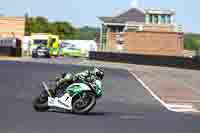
{"points": [[44, 39]]}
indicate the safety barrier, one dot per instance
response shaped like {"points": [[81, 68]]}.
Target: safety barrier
{"points": [[154, 60]]}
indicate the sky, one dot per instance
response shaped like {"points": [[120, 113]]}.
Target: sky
{"points": [[85, 12]]}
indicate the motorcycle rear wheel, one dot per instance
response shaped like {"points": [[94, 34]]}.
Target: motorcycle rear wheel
{"points": [[40, 103]]}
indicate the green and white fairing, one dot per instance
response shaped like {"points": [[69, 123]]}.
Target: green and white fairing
{"points": [[73, 90], [78, 88]]}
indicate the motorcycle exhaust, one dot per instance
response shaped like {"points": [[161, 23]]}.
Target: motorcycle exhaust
{"points": [[46, 88]]}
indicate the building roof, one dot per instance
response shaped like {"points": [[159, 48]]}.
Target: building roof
{"points": [[160, 11], [106, 19], [135, 15], [132, 15]]}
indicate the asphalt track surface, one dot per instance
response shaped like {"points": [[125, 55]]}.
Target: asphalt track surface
{"points": [[125, 107]]}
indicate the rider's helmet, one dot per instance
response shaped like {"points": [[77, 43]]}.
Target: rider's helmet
{"points": [[69, 77], [98, 73]]}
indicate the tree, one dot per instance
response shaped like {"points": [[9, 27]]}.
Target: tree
{"points": [[192, 41], [64, 30], [39, 24], [89, 33], [61, 28]]}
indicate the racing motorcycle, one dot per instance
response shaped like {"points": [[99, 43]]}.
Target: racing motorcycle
{"points": [[79, 97]]}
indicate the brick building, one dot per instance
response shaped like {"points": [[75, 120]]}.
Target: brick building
{"points": [[142, 31], [12, 27]]}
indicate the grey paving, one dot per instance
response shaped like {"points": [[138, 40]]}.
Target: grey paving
{"points": [[125, 107]]}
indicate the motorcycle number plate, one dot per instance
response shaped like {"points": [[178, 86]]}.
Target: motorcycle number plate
{"points": [[66, 97], [51, 101]]}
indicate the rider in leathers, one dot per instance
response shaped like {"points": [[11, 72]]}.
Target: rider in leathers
{"points": [[69, 78]]}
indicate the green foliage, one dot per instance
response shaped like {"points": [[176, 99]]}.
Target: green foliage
{"points": [[89, 33], [192, 41], [64, 29]]}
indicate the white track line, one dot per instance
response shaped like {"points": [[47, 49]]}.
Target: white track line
{"points": [[170, 107], [149, 90], [179, 106]]}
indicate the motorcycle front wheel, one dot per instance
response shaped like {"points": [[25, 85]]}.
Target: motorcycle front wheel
{"points": [[84, 105]]}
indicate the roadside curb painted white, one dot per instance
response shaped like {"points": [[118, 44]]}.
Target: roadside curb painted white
{"points": [[170, 107]]}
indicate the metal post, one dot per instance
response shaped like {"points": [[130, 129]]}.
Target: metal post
{"points": [[107, 45], [159, 19], [166, 19], [153, 19], [101, 38], [146, 19]]}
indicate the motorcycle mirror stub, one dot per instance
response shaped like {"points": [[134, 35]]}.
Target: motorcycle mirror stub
{"points": [[57, 79], [63, 75]]}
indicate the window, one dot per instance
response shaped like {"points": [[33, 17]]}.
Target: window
{"points": [[150, 18], [113, 29], [39, 42], [163, 20], [117, 29], [156, 19], [121, 29], [1, 42], [168, 19]]}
